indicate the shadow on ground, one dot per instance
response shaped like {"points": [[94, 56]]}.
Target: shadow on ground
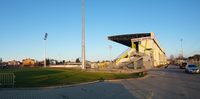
{"points": [[100, 90]]}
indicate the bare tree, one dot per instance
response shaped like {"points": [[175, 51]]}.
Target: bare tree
{"points": [[171, 57]]}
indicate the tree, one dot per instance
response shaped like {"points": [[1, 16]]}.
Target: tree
{"points": [[57, 63], [63, 61], [1, 61], [47, 62], [171, 57], [77, 60]]}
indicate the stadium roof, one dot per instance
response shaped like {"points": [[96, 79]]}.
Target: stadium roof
{"points": [[126, 38]]}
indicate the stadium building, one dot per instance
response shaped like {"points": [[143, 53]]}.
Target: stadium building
{"points": [[144, 51]]}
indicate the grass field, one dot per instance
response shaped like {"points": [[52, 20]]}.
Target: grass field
{"points": [[42, 77]]}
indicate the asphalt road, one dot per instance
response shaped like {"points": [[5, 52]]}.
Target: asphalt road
{"points": [[170, 83]]}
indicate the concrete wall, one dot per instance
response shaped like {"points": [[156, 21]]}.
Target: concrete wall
{"points": [[66, 66], [156, 53]]}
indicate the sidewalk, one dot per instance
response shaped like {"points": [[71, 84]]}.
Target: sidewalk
{"points": [[100, 90]]}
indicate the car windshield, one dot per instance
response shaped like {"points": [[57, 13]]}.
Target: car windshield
{"points": [[192, 66]]}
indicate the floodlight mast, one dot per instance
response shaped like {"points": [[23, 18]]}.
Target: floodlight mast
{"points": [[45, 38], [83, 36]]}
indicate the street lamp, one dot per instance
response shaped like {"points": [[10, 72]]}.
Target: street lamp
{"points": [[110, 48], [181, 47], [83, 37], [45, 38]]}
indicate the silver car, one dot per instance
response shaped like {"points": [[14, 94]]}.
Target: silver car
{"points": [[190, 68]]}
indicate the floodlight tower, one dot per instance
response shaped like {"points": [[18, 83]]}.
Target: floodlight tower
{"points": [[45, 38], [83, 36]]}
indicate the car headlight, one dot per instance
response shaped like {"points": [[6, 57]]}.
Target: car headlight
{"points": [[197, 70]]}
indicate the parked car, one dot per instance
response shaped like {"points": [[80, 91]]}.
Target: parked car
{"points": [[191, 68], [182, 65]]}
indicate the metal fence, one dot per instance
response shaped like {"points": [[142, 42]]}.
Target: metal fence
{"points": [[7, 79]]}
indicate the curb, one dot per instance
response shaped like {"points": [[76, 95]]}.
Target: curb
{"points": [[126, 79], [52, 87]]}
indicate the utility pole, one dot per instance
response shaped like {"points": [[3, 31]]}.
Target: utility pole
{"points": [[181, 47], [110, 48], [83, 36], [45, 38]]}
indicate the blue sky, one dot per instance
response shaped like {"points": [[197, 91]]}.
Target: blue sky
{"points": [[24, 22]]}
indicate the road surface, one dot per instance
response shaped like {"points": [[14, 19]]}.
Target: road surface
{"points": [[170, 83]]}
